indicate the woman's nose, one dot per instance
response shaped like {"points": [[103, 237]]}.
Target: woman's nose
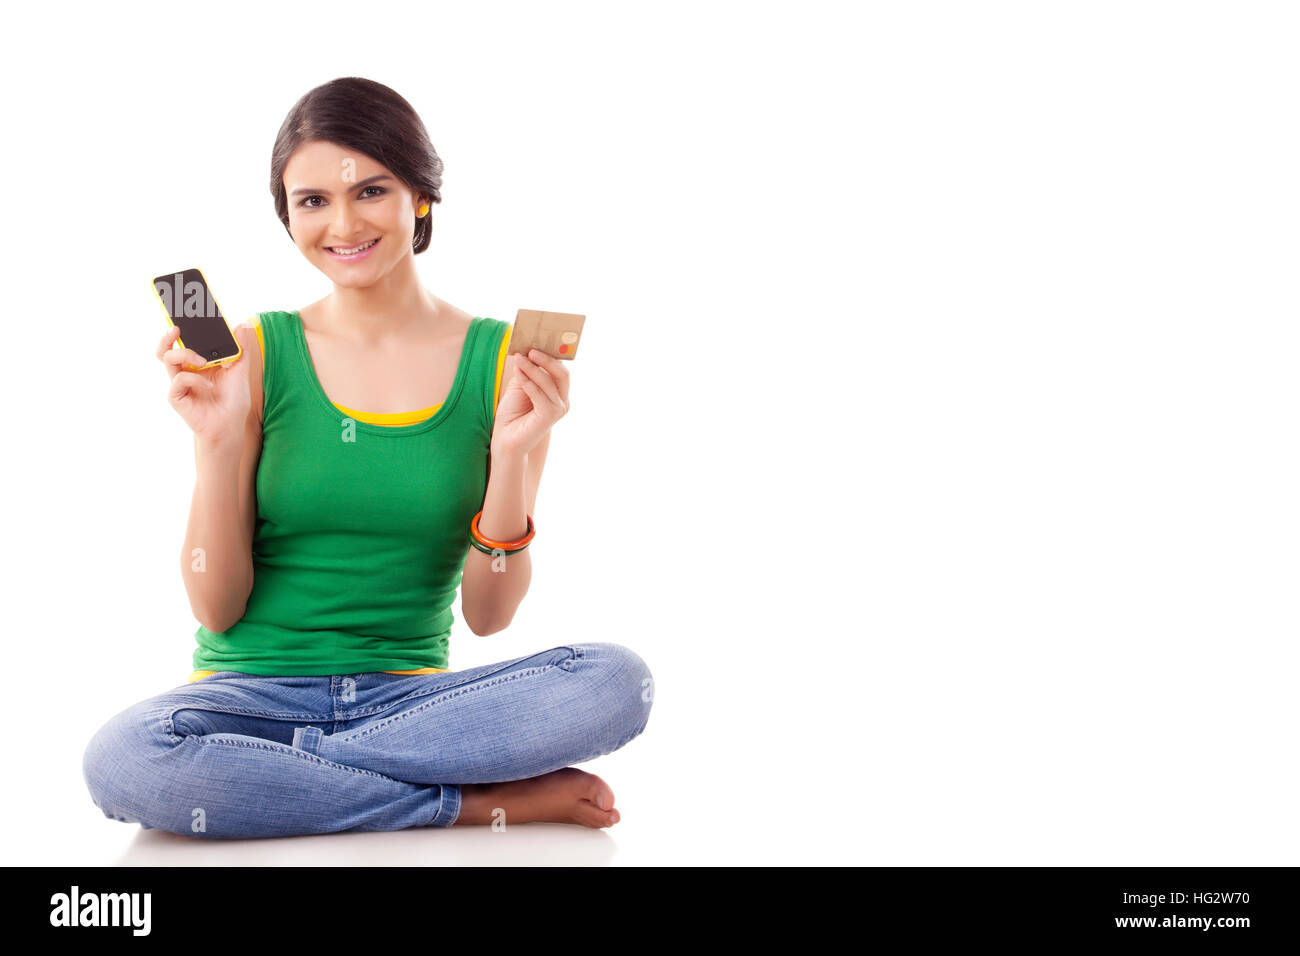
{"points": [[343, 220], [343, 229]]}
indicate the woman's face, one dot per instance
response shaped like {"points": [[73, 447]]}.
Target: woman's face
{"points": [[340, 199]]}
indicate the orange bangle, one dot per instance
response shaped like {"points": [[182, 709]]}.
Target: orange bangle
{"points": [[504, 545]]}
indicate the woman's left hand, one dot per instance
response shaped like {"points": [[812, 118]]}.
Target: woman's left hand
{"points": [[536, 397]]}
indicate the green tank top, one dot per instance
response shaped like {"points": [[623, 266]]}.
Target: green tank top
{"points": [[362, 529]]}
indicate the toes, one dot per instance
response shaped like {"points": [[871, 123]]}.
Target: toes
{"points": [[590, 815], [599, 793]]}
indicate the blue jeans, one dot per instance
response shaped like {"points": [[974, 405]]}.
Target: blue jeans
{"points": [[238, 755]]}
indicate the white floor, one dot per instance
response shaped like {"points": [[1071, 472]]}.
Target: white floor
{"points": [[524, 845]]}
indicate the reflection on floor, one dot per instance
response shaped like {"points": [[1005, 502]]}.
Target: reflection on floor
{"points": [[527, 844]]}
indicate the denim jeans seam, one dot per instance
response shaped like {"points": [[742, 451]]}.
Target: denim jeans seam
{"points": [[217, 708], [450, 685], [459, 692], [291, 751], [448, 808], [361, 713]]}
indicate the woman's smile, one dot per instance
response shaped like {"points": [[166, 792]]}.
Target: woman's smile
{"points": [[350, 253]]}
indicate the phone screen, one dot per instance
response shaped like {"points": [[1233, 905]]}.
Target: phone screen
{"points": [[193, 309]]}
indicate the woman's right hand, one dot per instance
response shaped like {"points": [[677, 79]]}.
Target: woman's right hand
{"points": [[214, 402]]}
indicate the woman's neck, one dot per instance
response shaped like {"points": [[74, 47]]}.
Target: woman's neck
{"points": [[393, 307]]}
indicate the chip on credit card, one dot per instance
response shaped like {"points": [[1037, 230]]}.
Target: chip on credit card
{"points": [[555, 333]]}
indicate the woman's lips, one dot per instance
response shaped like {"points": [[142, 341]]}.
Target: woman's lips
{"points": [[356, 255]]}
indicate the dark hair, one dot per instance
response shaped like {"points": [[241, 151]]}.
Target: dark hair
{"points": [[361, 114]]}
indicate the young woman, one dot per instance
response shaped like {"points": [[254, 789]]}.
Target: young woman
{"points": [[321, 698]]}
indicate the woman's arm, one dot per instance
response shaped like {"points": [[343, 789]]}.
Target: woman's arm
{"points": [[217, 557], [536, 397], [488, 598]]}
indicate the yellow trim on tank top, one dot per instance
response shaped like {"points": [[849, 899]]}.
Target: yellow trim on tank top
{"points": [[501, 366], [199, 675], [389, 418]]}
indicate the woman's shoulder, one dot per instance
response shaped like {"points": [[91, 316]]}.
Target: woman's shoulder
{"points": [[454, 312], [257, 367], [271, 316], [493, 328]]}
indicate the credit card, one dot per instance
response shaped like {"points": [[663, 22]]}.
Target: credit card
{"points": [[555, 333]]}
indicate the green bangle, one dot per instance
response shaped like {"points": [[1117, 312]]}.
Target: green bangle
{"points": [[493, 551]]}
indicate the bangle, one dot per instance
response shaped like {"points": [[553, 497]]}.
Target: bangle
{"points": [[493, 552], [488, 546]]}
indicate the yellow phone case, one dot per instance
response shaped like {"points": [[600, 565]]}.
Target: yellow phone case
{"points": [[225, 361]]}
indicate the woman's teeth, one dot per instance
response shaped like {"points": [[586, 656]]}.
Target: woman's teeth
{"points": [[351, 250]]}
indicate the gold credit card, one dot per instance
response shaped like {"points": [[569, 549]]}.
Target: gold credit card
{"points": [[555, 333]]}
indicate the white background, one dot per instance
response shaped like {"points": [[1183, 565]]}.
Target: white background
{"points": [[938, 390]]}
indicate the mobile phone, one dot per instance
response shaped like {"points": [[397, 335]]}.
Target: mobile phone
{"points": [[191, 307]]}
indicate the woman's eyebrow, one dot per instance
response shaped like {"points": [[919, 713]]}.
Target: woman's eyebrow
{"points": [[326, 192]]}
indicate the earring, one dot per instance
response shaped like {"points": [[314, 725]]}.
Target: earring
{"points": [[424, 208]]}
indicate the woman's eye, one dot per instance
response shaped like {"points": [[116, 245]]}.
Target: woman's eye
{"points": [[379, 191]]}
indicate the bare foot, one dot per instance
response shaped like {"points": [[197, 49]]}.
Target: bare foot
{"points": [[568, 795]]}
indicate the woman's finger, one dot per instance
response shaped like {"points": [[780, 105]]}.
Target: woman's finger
{"points": [[539, 398], [174, 358], [165, 349], [555, 366], [544, 381], [167, 341], [559, 370], [185, 382]]}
